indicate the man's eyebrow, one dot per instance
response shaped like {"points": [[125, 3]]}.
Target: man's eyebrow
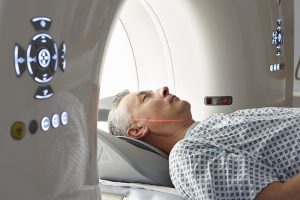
{"points": [[139, 94]]}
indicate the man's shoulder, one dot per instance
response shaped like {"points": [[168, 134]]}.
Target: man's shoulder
{"points": [[189, 145]]}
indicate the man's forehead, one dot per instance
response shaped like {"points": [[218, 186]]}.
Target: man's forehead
{"points": [[132, 97], [129, 99]]}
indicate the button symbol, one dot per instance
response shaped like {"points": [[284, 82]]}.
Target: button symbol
{"points": [[44, 58], [17, 130], [45, 92], [54, 57], [21, 60], [55, 121], [64, 118], [278, 52], [30, 59], [45, 76], [43, 23], [45, 124]]}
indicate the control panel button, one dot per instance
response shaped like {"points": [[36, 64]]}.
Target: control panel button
{"points": [[44, 76], [32, 61], [18, 130], [54, 57], [276, 67], [279, 22], [42, 40], [41, 23], [64, 118], [45, 124], [20, 60], [33, 126], [44, 92], [277, 37], [55, 121], [42, 58], [62, 56], [278, 52]]}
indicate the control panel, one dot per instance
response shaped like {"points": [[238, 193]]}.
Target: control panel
{"points": [[277, 42], [18, 128], [49, 108], [42, 58], [218, 100]]}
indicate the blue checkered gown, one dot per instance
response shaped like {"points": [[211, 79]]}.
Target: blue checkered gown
{"points": [[235, 156]]}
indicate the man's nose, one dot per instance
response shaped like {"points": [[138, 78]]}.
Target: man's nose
{"points": [[163, 92]]}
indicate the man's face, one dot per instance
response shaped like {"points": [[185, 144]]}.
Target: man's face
{"points": [[157, 106]]}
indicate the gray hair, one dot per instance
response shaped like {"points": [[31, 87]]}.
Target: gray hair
{"points": [[119, 118]]}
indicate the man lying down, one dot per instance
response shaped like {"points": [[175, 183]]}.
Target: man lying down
{"points": [[249, 154]]}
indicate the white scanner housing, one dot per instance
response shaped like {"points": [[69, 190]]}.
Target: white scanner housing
{"points": [[50, 70], [50, 59], [205, 49]]}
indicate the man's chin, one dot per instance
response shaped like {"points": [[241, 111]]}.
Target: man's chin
{"points": [[186, 103], [185, 106]]}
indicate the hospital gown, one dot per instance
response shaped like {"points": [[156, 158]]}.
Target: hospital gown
{"points": [[235, 156]]}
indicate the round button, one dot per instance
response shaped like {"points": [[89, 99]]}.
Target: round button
{"points": [[45, 124], [33, 126], [17, 130], [44, 58], [64, 118], [55, 121]]}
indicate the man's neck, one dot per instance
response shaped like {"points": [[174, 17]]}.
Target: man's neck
{"points": [[167, 142]]}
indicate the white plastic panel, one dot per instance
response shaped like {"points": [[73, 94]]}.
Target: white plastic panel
{"points": [[58, 160]]}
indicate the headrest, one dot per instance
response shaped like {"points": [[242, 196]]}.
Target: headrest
{"points": [[125, 159], [144, 145]]}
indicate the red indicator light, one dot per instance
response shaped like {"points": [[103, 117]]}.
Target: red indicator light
{"points": [[218, 100]]}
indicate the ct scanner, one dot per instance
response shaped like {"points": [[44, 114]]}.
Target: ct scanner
{"points": [[221, 55]]}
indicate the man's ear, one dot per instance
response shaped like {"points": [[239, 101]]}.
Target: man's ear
{"points": [[138, 132]]}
